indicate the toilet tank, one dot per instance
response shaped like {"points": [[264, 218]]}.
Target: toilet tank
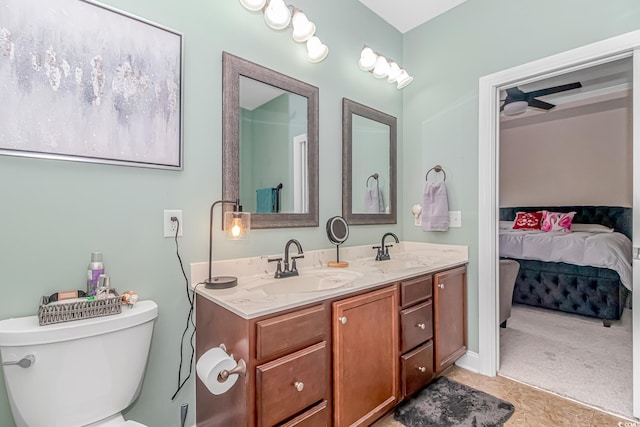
{"points": [[84, 370]]}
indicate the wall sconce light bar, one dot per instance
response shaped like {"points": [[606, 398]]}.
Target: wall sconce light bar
{"points": [[382, 67], [279, 16]]}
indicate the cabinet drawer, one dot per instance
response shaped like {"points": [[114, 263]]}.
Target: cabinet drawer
{"points": [[290, 384], [416, 324], [417, 368], [290, 331], [415, 290], [318, 416]]}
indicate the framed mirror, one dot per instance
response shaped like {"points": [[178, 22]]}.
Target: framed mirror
{"points": [[369, 144], [269, 144]]}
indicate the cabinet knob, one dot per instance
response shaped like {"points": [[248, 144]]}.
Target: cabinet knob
{"points": [[422, 369], [420, 325], [441, 285], [342, 320], [299, 385]]}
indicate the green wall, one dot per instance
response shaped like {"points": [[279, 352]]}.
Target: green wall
{"points": [[447, 56], [54, 213]]}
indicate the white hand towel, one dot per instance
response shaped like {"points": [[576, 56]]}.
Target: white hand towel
{"points": [[435, 207], [371, 200]]}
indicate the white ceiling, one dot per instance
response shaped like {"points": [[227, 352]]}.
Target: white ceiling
{"points": [[408, 14]]}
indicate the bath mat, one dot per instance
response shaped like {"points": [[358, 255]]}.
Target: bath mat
{"points": [[445, 403]]}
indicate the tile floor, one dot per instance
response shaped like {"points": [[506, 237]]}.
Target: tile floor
{"points": [[534, 407]]}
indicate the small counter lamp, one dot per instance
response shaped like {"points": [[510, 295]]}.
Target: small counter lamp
{"points": [[237, 225]]}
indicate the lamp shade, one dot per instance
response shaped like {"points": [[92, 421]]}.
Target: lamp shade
{"points": [[277, 15], [368, 59], [381, 69], [237, 225], [316, 51], [303, 29], [403, 79], [514, 108], [253, 5], [394, 72]]}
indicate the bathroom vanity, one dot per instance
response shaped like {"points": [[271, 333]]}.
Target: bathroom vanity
{"points": [[336, 347]]}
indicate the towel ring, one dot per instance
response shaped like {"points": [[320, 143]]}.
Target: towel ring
{"points": [[374, 176], [436, 168]]}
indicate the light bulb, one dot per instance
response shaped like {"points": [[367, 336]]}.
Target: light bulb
{"points": [[382, 68], [277, 15], [316, 51], [368, 59], [236, 228], [303, 29], [253, 5]]}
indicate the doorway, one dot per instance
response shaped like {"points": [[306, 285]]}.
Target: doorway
{"points": [[627, 45]]}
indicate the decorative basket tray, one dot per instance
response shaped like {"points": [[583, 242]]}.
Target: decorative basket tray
{"points": [[65, 312]]}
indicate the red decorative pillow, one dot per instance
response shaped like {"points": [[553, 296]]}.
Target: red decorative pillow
{"points": [[528, 221]]}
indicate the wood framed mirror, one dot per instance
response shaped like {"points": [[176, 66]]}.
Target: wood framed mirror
{"points": [[269, 144], [369, 155]]}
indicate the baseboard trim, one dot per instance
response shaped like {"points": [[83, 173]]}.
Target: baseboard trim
{"points": [[471, 362]]}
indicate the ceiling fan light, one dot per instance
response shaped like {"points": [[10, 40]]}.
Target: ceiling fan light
{"points": [[514, 108], [303, 29], [253, 5], [404, 79], [316, 50], [381, 69], [368, 59], [277, 15]]}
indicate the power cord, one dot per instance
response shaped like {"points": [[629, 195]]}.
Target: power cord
{"points": [[191, 298]]}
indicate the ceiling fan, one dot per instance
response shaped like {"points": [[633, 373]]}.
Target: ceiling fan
{"points": [[517, 101]]}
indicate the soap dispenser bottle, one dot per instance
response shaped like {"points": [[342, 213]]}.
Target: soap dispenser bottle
{"points": [[96, 268]]}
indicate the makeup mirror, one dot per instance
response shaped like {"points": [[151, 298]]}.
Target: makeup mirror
{"points": [[369, 144], [269, 144], [338, 233]]}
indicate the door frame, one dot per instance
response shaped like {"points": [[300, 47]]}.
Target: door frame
{"points": [[488, 179]]}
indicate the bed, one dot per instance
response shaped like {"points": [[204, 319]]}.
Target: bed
{"points": [[551, 279]]}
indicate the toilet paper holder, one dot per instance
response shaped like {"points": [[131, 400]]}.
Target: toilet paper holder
{"points": [[240, 369]]}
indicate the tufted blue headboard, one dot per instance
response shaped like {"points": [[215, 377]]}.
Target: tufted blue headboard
{"points": [[616, 217]]}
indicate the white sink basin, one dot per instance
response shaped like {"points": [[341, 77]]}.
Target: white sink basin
{"points": [[307, 281]]}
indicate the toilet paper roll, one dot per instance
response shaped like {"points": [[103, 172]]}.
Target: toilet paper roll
{"points": [[209, 367]]}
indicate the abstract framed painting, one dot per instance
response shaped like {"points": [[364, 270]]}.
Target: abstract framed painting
{"points": [[86, 82]]}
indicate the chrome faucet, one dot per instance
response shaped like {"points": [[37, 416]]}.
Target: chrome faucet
{"points": [[383, 250], [288, 272]]}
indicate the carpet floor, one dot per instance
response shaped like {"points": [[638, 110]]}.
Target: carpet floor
{"points": [[570, 355], [448, 403]]}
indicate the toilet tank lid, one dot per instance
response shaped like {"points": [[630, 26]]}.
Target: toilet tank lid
{"points": [[22, 331]]}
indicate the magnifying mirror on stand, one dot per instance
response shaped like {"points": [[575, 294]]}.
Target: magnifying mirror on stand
{"points": [[338, 232]]}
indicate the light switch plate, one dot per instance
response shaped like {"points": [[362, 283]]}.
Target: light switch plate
{"points": [[455, 219]]}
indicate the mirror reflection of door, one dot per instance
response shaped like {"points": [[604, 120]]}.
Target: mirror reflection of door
{"points": [[370, 173], [273, 149]]}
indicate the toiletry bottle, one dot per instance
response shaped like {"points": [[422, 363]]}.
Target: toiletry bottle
{"points": [[96, 268]]}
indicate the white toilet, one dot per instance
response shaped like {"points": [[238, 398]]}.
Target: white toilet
{"points": [[78, 373]]}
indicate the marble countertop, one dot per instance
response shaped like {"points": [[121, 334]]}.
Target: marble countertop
{"points": [[258, 293]]}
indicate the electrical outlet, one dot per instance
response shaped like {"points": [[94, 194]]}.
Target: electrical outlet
{"points": [[170, 227], [455, 219]]}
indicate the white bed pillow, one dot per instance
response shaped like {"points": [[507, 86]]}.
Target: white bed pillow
{"points": [[505, 225], [591, 228]]}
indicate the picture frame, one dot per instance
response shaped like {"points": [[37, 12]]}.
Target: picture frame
{"points": [[83, 81]]}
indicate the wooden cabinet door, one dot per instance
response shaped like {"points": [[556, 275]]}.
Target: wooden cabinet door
{"points": [[365, 346], [449, 317]]}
